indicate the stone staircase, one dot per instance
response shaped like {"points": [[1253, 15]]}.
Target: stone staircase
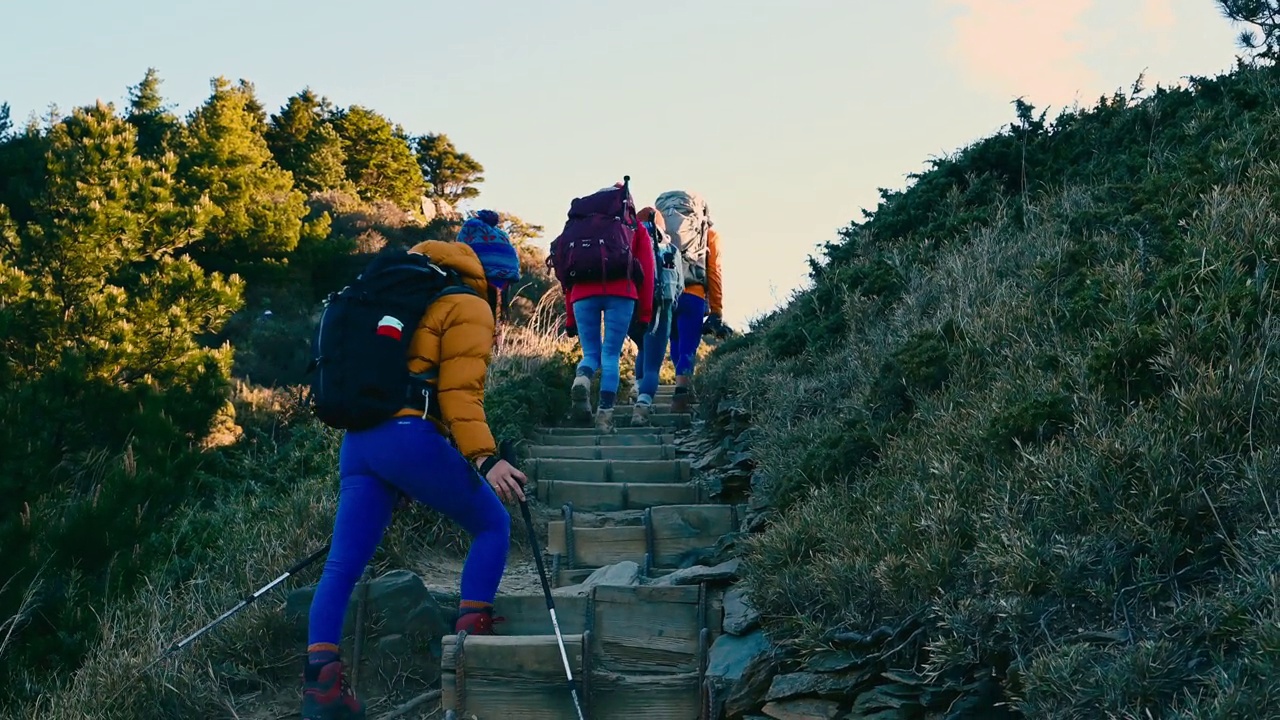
{"points": [[636, 650]]}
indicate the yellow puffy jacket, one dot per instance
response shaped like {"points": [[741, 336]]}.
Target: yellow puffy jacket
{"points": [[455, 338]]}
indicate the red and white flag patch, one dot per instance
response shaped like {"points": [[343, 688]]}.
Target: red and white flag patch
{"points": [[390, 327]]}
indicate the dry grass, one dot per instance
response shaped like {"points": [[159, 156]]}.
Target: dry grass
{"points": [[1106, 558]]}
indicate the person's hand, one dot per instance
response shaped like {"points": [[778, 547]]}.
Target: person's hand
{"points": [[570, 330], [637, 331], [713, 325], [505, 480]]}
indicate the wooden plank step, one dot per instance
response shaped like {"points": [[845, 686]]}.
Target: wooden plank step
{"points": [[667, 533], [647, 628], [609, 496], [496, 677], [658, 420], [653, 697], [598, 452], [527, 614], [592, 432], [598, 471], [628, 440]]}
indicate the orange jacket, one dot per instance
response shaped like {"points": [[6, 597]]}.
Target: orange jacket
{"points": [[714, 292], [455, 337]]}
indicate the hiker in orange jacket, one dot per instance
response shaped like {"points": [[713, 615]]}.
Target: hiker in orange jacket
{"points": [[435, 458], [698, 311]]}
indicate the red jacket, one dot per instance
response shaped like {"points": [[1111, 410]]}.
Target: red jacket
{"points": [[642, 249]]}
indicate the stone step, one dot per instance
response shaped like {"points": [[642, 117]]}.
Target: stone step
{"points": [[663, 540], [610, 471], [589, 440], [597, 452], [611, 496]]}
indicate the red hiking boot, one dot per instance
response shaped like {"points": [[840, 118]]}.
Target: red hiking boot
{"points": [[476, 622], [328, 695]]}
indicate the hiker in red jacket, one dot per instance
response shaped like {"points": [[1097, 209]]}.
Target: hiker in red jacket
{"points": [[602, 312]]}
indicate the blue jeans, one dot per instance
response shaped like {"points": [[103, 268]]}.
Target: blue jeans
{"points": [[686, 333], [603, 352], [409, 455], [652, 352]]}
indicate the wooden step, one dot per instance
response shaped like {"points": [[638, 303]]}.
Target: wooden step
{"points": [[587, 440], [666, 535], [658, 420], [592, 432], [608, 496], [653, 697], [598, 452], [492, 677], [602, 471]]}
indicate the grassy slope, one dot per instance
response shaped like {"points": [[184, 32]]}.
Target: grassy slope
{"points": [[1037, 391]]}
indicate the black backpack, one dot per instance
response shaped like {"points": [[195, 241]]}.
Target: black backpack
{"points": [[359, 355]]}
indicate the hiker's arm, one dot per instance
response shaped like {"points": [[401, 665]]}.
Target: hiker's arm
{"points": [[642, 248], [466, 345], [715, 297]]}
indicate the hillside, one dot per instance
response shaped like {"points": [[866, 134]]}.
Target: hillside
{"points": [[1026, 417]]}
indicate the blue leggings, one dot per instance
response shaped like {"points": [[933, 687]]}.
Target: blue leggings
{"points": [[653, 350], [686, 332], [409, 455], [603, 352]]}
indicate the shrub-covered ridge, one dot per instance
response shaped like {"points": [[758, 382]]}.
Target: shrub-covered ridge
{"points": [[1030, 403]]}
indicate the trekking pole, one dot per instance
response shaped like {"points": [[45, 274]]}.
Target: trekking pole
{"points": [[508, 453], [248, 600]]}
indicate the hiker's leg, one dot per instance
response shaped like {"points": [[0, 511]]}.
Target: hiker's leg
{"points": [[617, 319], [654, 352], [688, 333], [432, 472], [588, 312], [364, 511]]}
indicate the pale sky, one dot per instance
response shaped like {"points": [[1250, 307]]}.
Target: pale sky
{"points": [[786, 114]]}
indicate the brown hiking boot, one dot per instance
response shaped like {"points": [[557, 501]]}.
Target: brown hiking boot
{"points": [[640, 415], [604, 421], [328, 695], [682, 402]]}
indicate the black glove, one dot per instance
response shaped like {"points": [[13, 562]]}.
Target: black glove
{"points": [[637, 331], [570, 330], [712, 325]]}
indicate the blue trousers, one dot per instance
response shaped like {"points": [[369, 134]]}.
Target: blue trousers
{"points": [[653, 350], [602, 350], [686, 333], [406, 455]]}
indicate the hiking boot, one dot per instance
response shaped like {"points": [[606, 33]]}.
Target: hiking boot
{"points": [[604, 421], [476, 622], [581, 395], [640, 415], [682, 402], [635, 393], [328, 695]]}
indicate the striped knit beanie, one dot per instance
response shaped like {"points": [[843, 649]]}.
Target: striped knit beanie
{"points": [[492, 245]]}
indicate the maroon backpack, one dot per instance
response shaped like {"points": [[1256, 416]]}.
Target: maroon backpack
{"points": [[595, 244]]}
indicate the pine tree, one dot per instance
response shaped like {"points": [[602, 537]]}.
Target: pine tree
{"points": [[450, 175], [157, 127], [303, 141], [258, 212], [379, 160], [1265, 14]]}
